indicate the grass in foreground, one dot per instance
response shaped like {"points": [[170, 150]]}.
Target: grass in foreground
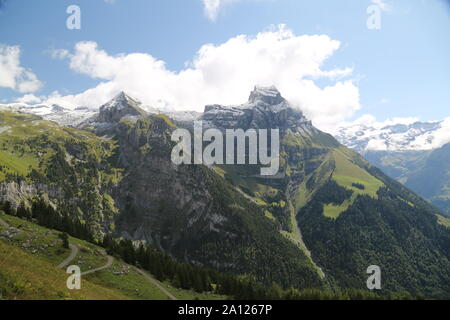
{"points": [[124, 278], [44, 250], [24, 276]]}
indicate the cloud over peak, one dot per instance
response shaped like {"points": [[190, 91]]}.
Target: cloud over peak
{"points": [[223, 73]]}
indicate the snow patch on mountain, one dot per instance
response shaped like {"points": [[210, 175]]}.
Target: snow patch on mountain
{"points": [[366, 134], [63, 116], [120, 102]]}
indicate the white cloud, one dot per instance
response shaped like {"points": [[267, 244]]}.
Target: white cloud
{"points": [[440, 136], [12, 74], [212, 7], [29, 99], [370, 120], [224, 74], [376, 145], [59, 54]]}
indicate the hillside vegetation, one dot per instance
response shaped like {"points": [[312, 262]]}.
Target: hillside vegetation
{"points": [[309, 231], [29, 255]]}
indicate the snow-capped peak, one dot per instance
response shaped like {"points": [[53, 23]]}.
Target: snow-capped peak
{"points": [[394, 136], [121, 101], [54, 112]]}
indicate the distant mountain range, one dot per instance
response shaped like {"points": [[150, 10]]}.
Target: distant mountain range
{"points": [[415, 154], [74, 117], [394, 137], [425, 172]]}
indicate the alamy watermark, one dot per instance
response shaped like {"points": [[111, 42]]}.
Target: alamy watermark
{"points": [[74, 280], [374, 20], [73, 22], [235, 144], [374, 281], [375, 11]]}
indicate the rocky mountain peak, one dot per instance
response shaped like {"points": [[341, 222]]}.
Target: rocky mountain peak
{"points": [[265, 109], [122, 100], [269, 95], [57, 108], [120, 106]]}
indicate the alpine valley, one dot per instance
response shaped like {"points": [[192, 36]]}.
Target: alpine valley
{"points": [[317, 225], [415, 154]]}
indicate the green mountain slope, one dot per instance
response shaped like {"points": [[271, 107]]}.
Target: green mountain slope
{"points": [[70, 167], [396, 231], [424, 172], [347, 215], [352, 216], [29, 255], [108, 184], [319, 223], [195, 214]]}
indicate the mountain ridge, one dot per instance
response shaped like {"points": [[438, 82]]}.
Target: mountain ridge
{"points": [[361, 136], [415, 136], [285, 229]]}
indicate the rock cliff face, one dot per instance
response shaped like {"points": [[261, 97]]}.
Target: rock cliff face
{"points": [[68, 167], [16, 192], [265, 109], [303, 149], [190, 211]]}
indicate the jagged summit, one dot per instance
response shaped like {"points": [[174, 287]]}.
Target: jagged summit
{"points": [[266, 108], [122, 100], [120, 106], [121, 95], [269, 95]]}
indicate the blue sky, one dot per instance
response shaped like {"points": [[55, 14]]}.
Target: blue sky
{"points": [[400, 70]]}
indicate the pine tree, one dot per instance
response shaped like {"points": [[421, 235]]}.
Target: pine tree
{"points": [[65, 239]]}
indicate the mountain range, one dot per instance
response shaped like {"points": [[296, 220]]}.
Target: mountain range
{"points": [[407, 152], [320, 223], [415, 154], [416, 136]]}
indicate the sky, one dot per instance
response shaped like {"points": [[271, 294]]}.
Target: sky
{"points": [[338, 61]]}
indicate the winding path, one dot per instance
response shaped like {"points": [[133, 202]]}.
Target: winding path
{"points": [[63, 264], [74, 253], [141, 272], [156, 283], [72, 256], [106, 266]]}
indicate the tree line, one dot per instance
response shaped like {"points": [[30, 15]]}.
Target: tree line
{"points": [[180, 274]]}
